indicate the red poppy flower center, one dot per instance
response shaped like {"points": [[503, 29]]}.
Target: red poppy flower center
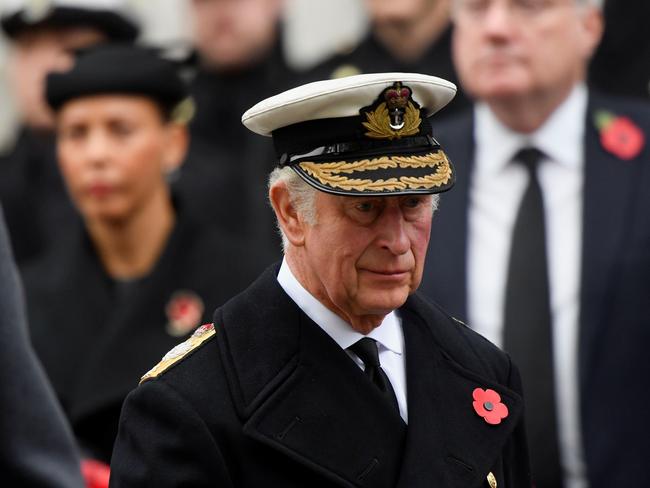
{"points": [[488, 406]]}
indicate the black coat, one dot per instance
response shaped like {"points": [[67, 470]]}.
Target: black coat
{"points": [[271, 400], [614, 322], [370, 56], [228, 192], [36, 447], [227, 162], [96, 337], [33, 195]]}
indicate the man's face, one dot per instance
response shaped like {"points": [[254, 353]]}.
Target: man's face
{"points": [[36, 53], [364, 256], [232, 34], [514, 48], [113, 151]]}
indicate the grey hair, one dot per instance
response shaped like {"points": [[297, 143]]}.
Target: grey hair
{"points": [[301, 194], [303, 197]]}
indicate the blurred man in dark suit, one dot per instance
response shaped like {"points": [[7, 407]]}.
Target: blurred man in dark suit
{"points": [[549, 234]]}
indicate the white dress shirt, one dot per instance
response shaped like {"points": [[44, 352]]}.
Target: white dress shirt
{"points": [[497, 187], [389, 336]]}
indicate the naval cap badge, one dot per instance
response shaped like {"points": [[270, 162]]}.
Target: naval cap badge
{"points": [[394, 115], [396, 100]]}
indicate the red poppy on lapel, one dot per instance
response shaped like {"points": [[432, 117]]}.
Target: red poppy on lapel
{"points": [[95, 473], [619, 135], [184, 313], [487, 404]]}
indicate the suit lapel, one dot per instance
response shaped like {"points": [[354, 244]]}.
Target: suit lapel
{"points": [[446, 263], [610, 190], [308, 399], [448, 444]]}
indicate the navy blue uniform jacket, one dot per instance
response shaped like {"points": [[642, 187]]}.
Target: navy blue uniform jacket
{"points": [[272, 400]]}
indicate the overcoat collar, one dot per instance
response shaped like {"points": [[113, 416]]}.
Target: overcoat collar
{"points": [[298, 392]]}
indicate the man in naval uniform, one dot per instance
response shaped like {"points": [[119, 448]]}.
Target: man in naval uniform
{"points": [[330, 370]]}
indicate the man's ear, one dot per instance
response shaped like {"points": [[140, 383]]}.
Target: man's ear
{"points": [[288, 218]]}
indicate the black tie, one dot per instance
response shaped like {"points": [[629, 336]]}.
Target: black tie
{"points": [[527, 326], [366, 349]]}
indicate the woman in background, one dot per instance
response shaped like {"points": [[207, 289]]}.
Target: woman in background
{"points": [[139, 275]]}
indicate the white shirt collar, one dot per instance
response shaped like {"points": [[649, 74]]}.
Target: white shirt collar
{"points": [[560, 137], [387, 334]]}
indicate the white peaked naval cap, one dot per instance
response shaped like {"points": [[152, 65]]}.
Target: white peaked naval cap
{"points": [[361, 135]]}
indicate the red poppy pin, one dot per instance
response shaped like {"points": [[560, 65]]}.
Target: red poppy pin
{"points": [[184, 313], [487, 404], [95, 473], [619, 135]]}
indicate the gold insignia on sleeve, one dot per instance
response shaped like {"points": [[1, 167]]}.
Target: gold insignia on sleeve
{"points": [[492, 481], [200, 335]]}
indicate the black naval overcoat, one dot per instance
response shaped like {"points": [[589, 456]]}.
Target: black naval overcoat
{"points": [[269, 399], [96, 337]]}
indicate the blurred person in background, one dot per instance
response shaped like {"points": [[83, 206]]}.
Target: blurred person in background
{"points": [[37, 448], [241, 61], [547, 249], [405, 36], [621, 64], [138, 271], [43, 36]]}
